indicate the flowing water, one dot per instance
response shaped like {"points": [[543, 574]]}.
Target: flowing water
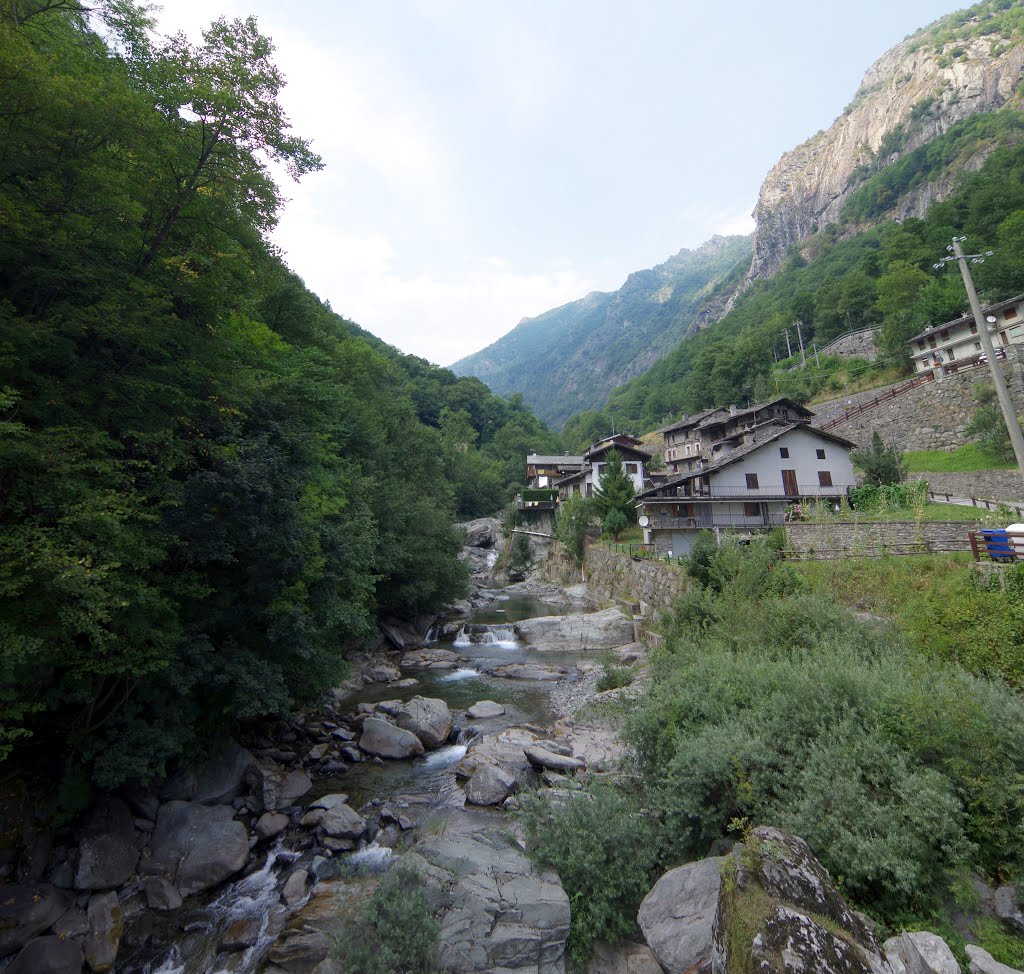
{"points": [[188, 942]]}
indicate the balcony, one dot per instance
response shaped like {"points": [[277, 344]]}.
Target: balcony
{"points": [[694, 491], [537, 499], [769, 519]]}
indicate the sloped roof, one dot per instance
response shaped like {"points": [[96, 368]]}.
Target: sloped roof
{"points": [[539, 460], [963, 319]]}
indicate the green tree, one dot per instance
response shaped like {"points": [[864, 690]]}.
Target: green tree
{"points": [[615, 492], [987, 425], [881, 464], [573, 519]]}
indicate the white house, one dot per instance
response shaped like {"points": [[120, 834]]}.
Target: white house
{"points": [[587, 480], [748, 487], [948, 346]]}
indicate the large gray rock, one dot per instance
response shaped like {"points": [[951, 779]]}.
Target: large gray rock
{"points": [[161, 894], [276, 787], [607, 629], [388, 741], [427, 718], [505, 749], [982, 962], [48, 955], [224, 773], [1007, 908], [271, 824], [544, 758], [106, 925], [922, 953], [431, 658], [482, 533], [789, 942], [624, 958], [528, 671], [27, 911], [485, 710], [678, 916], [497, 912], [332, 815], [490, 785], [108, 851], [196, 846]]}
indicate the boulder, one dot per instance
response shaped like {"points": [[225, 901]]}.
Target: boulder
{"points": [[48, 955], [1007, 908], [430, 658], [388, 741], [393, 635], [607, 629], [788, 941], [482, 533], [334, 817], [106, 925], [276, 787], [542, 757], [381, 673], [679, 914], [490, 785], [161, 894], [271, 824], [528, 671], [294, 890], [505, 749], [485, 710], [242, 934], [108, 851], [223, 776], [74, 924], [982, 962], [922, 953], [497, 912], [196, 846], [27, 911], [299, 953], [428, 718], [624, 958]]}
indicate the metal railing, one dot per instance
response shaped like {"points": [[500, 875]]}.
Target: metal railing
{"points": [[768, 520], [893, 393], [947, 498], [749, 493]]}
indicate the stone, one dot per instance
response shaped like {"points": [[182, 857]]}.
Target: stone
{"points": [[607, 629], [490, 785], [382, 673], [393, 635], [497, 912], [301, 952], [403, 684], [1007, 908], [161, 894], [386, 740], [485, 710], [276, 787], [334, 817], [482, 533], [505, 749], [982, 962], [318, 752], [106, 925], [222, 777], [108, 852], [678, 916], [74, 924], [426, 717], [241, 934], [923, 953], [271, 824], [624, 958], [196, 846], [294, 890], [344, 734], [528, 671], [789, 942], [48, 955], [541, 757], [27, 911], [430, 658]]}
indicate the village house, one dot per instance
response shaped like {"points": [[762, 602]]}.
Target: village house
{"points": [[545, 471], [747, 483], [954, 344], [697, 440], [588, 478]]}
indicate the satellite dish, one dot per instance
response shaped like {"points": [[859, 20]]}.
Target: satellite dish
{"points": [[991, 319], [643, 520]]}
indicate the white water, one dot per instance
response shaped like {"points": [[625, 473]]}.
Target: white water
{"points": [[445, 755], [504, 637], [456, 675], [372, 855]]}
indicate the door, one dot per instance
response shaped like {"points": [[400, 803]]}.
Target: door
{"points": [[789, 486]]}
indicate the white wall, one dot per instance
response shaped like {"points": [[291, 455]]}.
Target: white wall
{"points": [[768, 464]]}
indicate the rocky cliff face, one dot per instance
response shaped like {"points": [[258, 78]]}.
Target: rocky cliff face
{"points": [[913, 93]]}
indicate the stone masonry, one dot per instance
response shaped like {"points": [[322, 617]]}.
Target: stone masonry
{"points": [[613, 575], [932, 416], [993, 485], [860, 344], [872, 538]]}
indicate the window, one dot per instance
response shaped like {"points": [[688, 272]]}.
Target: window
{"points": [[1004, 338], [931, 341], [824, 478], [952, 354], [821, 454], [784, 452], [974, 328], [751, 481], [944, 334], [920, 344], [977, 346], [1017, 332], [751, 510], [1009, 313], [630, 468]]}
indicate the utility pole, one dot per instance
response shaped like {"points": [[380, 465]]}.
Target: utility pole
{"points": [[775, 355], [800, 335], [817, 361], [1003, 394], [789, 348]]}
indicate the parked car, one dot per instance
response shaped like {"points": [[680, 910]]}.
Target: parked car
{"points": [[1000, 355]]}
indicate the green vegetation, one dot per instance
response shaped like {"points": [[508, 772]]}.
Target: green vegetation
{"points": [[988, 426], [964, 459], [991, 18], [210, 484], [882, 274], [574, 518], [615, 495], [880, 464], [394, 933]]}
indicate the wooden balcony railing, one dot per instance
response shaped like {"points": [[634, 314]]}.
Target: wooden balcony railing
{"points": [[747, 493]]}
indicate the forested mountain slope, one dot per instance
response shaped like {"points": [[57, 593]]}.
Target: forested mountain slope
{"points": [[570, 358], [210, 485]]}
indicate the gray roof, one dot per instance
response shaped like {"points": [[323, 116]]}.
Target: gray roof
{"points": [[963, 319], [558, 461]]}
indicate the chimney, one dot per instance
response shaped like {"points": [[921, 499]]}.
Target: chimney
{"points": [[732, 410]]}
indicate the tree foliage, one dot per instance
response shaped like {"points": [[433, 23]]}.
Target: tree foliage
{"points": [[616, 491], [880, 464]]}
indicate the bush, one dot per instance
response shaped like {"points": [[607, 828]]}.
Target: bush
{"points": [[614, 675], [394, 932], [597, 842], [614, 523], [872, 498], [881, 464]]}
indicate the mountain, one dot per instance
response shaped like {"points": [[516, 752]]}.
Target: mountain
{"points": [[967, 63], [570, 358]]}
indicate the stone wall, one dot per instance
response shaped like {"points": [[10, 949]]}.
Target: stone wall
{"points": [[612, 575], [932, 416], [995, 485], [861, 344], [873, 538]]}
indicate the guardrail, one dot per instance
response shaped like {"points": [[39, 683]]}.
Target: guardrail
{"points": [[947, 498], [893, 393], [752, 493], [997, 546]]}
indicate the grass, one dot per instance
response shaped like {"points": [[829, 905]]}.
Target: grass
{"points": [[925, 512], [845, 383], [964, 459]]}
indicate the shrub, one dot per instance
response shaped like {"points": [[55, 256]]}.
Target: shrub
{"points": [[394, 932], [614, 675], [615, 522], [881, 464]]}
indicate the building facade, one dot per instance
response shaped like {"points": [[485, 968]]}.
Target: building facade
{"points": [[955, 344]]}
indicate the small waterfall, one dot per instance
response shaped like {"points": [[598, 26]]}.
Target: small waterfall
{"points": [[445, 756], [460, 674], [372, 856], [503, 637]]}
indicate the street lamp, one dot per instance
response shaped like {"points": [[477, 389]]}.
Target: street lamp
{"points": [[1003, 394]]}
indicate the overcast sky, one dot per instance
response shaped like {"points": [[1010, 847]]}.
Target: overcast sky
{"points": [[487, 161]]}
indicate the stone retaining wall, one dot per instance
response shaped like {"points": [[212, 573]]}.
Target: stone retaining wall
{"points": [[612, 575], [873, 538], [861, 344], [934, 416], [994, 485]]}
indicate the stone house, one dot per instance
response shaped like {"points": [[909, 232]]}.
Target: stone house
{"points": [[748, 485], [545, 471], [954, 344], [588, 479]]}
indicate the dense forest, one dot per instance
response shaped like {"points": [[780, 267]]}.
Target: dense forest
{"points": [[210, 485], [841, 278]]}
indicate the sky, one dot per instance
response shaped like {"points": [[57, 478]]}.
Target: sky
{"points": [[487, 161]]}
